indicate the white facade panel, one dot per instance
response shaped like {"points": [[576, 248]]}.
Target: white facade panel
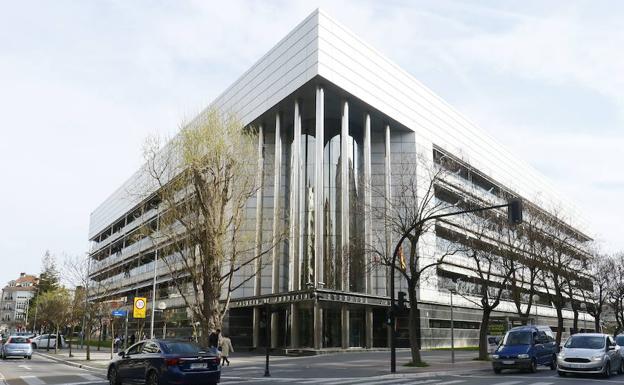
{"points": [[353, 65], [285, 68]]}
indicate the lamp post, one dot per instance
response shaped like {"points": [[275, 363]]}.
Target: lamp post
{"points": [[535, 299], [452, 288]]}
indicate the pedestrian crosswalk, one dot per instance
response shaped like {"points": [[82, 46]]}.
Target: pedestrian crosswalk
{"points": [[76, 379], [391, 381]]}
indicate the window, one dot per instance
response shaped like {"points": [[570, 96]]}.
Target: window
{"points": [[150, 347], [135, 349], [446, 324]]}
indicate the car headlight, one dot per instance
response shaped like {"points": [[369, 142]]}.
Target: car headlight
{"points": [[561, 355], [495, 356], [597, 357], [523, 356]]}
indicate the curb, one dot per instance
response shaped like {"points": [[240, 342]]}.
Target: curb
{"points": [[70, 363]]}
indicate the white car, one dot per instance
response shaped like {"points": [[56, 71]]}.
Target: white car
{"points": [[41, 341], [16, 346]]}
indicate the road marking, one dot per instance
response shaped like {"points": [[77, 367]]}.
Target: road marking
{"points": [[32, 380], [382, 381], [541, 383], [508, 383], [449, 382], [24, 367], [90, 377]]}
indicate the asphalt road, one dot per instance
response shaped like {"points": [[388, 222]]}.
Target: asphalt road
{"points": [[544, 377], [339, 369], [41, 371]]}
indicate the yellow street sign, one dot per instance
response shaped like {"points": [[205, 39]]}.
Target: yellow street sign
{"points": [[140, 305]]}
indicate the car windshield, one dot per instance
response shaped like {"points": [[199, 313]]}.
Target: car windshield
{"points": [[518, 338], [18, 340], [620, 340], [183, 347], [585, 342]]}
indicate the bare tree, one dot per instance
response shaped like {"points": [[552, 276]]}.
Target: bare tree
{"points": [[204, 179], [596, 299], [615, 296], [492, 268], [525, 242], [562, 258], [410, 210]]}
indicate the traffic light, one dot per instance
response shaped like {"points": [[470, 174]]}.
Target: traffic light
{"points": [[402, 300], [514, 211]]}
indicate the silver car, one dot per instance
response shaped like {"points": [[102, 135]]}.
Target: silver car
{"points": [[17, 346], [590, 353]]}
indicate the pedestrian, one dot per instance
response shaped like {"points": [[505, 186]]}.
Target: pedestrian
{"points": [[213, 339], [226, 348], [132, 339], [117, 343]]}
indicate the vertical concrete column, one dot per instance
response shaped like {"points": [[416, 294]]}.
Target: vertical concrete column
{"points": [[259, 194], [368, 322], [388, 197], [294, 326], [344, 217], [319, 274], [295, 221], [258, 261], [368, 224], [275, 252], [318, 325], [345, 325], [294, 218], [344, 195], [318, 187]]}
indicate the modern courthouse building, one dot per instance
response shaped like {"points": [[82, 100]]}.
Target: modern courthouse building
{"points": [[338, 123]]}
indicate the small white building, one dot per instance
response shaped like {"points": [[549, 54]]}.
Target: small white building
{"points": [[14, 303]]}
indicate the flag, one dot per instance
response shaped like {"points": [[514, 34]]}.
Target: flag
{"points": [[402, 259]]}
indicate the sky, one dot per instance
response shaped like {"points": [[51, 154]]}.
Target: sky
{"points": [[83, 83]]}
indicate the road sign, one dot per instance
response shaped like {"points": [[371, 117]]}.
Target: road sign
{"points": [[140, 305], [119, 313]]}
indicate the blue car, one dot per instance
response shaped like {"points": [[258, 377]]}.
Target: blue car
{"points": [[165, 362], [526, 347]]}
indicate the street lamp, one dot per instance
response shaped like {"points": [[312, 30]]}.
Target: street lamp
{"points": [[452, 288], [162, 306], [535, 299], [583, 307]]}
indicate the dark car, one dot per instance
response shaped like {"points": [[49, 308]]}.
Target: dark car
{"points": [[526, 347], [160, 362]]}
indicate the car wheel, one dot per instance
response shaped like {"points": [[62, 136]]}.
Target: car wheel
{"points": [[34, 346], [497, 371], [560, 373], [113, 377], [607, 370], [533, 367], [621, 367], [152, 378], [553, 363], [30, 357]]}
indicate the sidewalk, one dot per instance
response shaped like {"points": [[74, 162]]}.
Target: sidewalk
{"points": [[357, 363], [99, 359]]}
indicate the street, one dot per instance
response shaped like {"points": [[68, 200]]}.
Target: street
{"points": [[363, 368], [42, 371]]}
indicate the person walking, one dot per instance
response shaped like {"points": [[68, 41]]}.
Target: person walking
{"points": [[226, 349]]}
